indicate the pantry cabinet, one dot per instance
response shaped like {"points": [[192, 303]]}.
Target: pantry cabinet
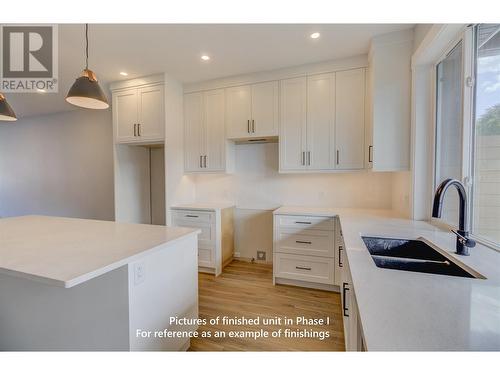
{"points": [[139, 114], [205, 145], [252, 110], [323, 122]]}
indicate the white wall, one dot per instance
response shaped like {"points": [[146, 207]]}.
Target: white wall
{"points": [[60, 164], [256, 184]]}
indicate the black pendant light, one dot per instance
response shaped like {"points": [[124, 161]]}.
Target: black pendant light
{"points": [[6, 112], [86, 92]]}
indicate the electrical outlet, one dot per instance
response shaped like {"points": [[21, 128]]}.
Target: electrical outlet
{"points": [[261, 255], [139, 273]]}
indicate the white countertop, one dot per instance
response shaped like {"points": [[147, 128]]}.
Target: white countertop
{"points": [[401, 310], [66, 252], [205, 206]]}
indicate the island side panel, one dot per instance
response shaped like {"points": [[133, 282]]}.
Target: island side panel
{"points": [[90, 316], [163, 285]]}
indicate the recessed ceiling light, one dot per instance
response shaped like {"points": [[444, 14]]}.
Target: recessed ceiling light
{"points": [[315, 35], [124, 74], [205, 57]]}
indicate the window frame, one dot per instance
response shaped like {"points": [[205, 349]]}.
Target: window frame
{"points": [[469, 72]]}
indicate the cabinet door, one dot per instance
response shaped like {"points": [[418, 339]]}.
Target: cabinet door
{"points": [[151, 105], [320, 121], [125, 115], [350, 119], [239, 111], [265, 109], [193, 132], [214, 131], [292, 139]]}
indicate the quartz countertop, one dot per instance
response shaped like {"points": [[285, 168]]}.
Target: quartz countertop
{"points": [[66, 252], [205, 206], [409, 311]]}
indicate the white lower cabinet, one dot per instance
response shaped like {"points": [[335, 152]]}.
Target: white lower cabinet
{"points": [[305, 251], [352, 328], [216, 240]]}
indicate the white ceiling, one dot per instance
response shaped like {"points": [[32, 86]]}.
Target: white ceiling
{"points": [[176, 48]]}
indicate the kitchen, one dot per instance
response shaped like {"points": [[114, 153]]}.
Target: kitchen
{"points": [[304, 188]]}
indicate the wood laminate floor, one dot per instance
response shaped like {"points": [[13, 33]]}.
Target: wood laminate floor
{"points": [[246, 289]]}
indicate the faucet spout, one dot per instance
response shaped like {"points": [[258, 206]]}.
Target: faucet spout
{"points": [[463, 240]]}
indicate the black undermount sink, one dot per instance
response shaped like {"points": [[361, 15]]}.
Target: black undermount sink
{"points": [[411, 255]]}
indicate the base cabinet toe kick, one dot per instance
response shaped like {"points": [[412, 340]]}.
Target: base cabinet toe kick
{"points": [[308, 251]]}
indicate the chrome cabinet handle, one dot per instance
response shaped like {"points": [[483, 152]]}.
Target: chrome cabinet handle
{"points": [[370, 156], [201, 161], [340, 254], [338, 157], [248, 126], [308, 157], [135, 130], [253, 126], [205, 161], [344, 308], [191, 215], [304, 242], [303, 268], [303, 222], [139, 130], [303, 158]]}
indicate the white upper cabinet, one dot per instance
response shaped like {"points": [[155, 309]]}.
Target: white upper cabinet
{"points": [[205, 146], [388, 142], [125, 115], [350, 119], [139, 114], [193, 132], [252, 110], [323, 122], [293, 124], [320, 121], [238, 111], [215, 147], [151, 112]]}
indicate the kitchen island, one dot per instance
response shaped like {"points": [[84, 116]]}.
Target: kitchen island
{"points": [[73, 284]]}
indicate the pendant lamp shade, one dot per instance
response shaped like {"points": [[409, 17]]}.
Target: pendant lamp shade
{"points": [[6, 112], [86, 91]]}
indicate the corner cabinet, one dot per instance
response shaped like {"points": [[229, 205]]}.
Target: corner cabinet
{"points": [[323, 122], [205, 146], [139, 114], [252, 110]]}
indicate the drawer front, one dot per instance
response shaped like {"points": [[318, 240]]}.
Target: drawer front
{"points": [[206, 239], [192, 216], [305, 222], [305, 242], [206, 257], [304, 268]]}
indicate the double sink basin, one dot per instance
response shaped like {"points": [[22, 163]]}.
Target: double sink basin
{"points": [[412, 255]]}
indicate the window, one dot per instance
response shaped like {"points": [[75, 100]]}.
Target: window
{"points": [[486, 152], [467, 134], [449, 127]]}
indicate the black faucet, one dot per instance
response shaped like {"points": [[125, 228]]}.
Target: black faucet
{"points": [[463, 240]]}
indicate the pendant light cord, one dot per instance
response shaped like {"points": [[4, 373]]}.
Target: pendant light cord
{"points": [[86, 46]]}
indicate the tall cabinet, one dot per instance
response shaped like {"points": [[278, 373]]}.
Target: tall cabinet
{"points": [[323, 122]]}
